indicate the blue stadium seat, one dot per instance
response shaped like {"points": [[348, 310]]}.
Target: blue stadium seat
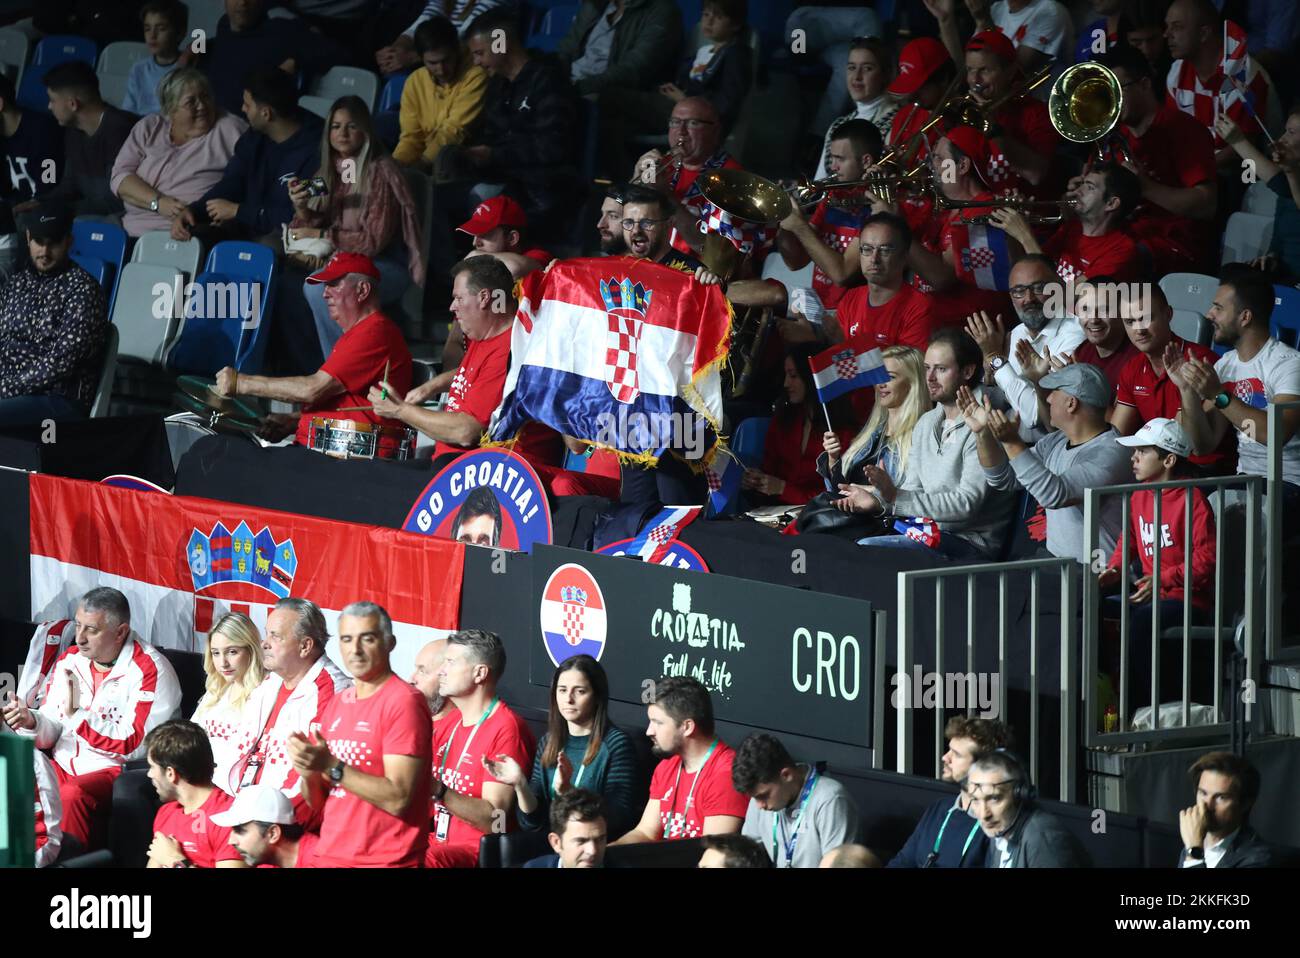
{"points": [[105, 242], [553, 26], [207, 343], [254, 263], [96, 267], [390, 99], [749, 440], [1285, 322], [51, 52]]}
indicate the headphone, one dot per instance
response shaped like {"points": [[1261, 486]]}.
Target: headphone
{"points": [[1024, 790]]}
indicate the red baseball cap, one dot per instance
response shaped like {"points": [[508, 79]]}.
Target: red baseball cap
{"points": [[995, 42], [341, 264], [501, 210], [917, 63], [974, 144]]}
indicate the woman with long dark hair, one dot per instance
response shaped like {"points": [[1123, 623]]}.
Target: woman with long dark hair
{"points": [[581, 749]]}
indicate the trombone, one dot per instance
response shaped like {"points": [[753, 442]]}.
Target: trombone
{"points": [[884, 185], [1035, 212]]}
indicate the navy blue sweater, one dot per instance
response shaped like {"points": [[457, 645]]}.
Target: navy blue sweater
{"points": [[961, 829]]}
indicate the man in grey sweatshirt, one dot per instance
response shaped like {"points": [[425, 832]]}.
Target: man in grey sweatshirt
{"points": [[943, 482], [1082, 453]]}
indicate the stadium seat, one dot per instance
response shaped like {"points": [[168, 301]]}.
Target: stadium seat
{"points": [[1192, 327], [552, 27], [1193, 292], [159, 249], [348, 81], [204, 344], [320, 105], [1259, 200], [105, 242], [130, 822], [104, 391], [749, 440], [511, 850], [14, 47], [1285, 321], [50, 52], [1246, 237], [143, 336], [390, 98], [114, 69], [96, 267]]}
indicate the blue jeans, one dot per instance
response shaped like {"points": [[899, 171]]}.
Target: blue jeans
{"points": [[34, 410], [828, 32], [950, 546], [394, 280]]}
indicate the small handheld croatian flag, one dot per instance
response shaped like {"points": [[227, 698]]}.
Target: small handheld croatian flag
{"points": [[924, 531], [652, 542], [841, 369], [723, 474], [984, 256]]}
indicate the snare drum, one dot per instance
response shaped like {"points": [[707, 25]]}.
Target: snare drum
{"points": [[357, 439]]}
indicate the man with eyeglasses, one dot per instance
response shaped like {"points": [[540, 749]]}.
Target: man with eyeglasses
{"points": [[1045, 329]]}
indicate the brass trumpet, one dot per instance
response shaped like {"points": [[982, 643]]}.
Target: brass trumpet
{"points": [[884, 185], [1035, 212]]}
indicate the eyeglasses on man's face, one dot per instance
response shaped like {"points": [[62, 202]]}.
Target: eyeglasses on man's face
{"points": [[676, 123], [644, 225], [1020, 292]]}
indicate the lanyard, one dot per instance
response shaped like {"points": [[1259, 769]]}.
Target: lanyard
{"points": [[468, 741], [969, 838], [691, 793], [577, 780], [804, 795]]}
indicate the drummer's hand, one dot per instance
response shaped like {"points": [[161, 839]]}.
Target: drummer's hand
{"points": [[422, 392], [278, 426], [384, 398], [226, 379]]}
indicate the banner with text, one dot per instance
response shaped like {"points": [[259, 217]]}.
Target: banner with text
{"points": [[763, 653]]}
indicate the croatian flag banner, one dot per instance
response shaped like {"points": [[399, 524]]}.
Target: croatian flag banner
{"points": [[653, 541], [723, 476], [840, 370], [984, 255], [620, 352]]}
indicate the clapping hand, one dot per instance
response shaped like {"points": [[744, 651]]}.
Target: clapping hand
{"points": [[857, 498], [17, 715], [1033, 366], [881, 482], [1004, 426], [309, 754], [505, 770], [975, 414], [989, 334]]}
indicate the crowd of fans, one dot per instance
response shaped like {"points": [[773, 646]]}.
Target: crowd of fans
{"points": [[1023, 357]]}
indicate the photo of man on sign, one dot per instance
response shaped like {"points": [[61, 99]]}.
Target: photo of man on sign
{"points": [[478, 521]]}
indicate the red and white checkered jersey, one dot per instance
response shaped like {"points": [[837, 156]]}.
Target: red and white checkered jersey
{"points": [[1206, 100], [228, 730], [89, 731]]}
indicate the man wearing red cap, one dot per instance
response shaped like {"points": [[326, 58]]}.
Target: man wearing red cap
{"points": [[498, 226], [371, 343], [925, 73]]}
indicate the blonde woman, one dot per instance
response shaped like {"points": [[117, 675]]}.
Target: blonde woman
{"points": [[233, 664], [886, 439]]}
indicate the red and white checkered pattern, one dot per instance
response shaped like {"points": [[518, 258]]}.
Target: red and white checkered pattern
{"points": [[979, 258], [846, 364], [713, 479], [573, 622], [999, 168], [620, 356], [1205, 101], [1065, 269]]}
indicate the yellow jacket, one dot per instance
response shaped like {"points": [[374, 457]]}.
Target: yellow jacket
{"points": [[434, 115]]}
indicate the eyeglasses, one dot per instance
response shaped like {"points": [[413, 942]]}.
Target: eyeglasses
{"points": [[676, 123], [885, 251], [646, 225], [1020, 292]]}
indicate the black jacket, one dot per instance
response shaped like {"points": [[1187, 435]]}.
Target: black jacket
{"points": [[230, 55], [1247, 850], [1039, 840]]}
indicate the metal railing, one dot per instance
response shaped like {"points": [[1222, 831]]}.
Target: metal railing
{"points": [[1273, 535], [1068, 681]]}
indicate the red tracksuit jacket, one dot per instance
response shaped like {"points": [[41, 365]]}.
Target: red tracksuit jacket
{"points": [[1173, 577]]}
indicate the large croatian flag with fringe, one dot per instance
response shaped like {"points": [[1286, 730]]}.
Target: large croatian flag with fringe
{"points": [[621, 352]]}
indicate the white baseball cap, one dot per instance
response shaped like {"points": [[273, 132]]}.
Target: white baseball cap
{"points": [[1163, 434], [256, 803]]}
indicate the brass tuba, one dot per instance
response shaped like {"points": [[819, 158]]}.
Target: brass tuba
{"points": [[1085, 103]]}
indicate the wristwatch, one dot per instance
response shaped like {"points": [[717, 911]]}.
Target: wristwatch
{"points": [[1222, 400], [439, 789], [996, 363], [336, 774], [1196, 853], [153, 203]]}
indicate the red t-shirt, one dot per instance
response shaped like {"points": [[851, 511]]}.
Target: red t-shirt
{"points": [[1111, 365], [693, 200], [684, 804], [953, 305], [204, 842], [837, 228], [1111, 254], [358, 362], [393, 721], [906, 320], [458, 753], [307, 848], [1155, 396], [476, 391], [1027, 121]]}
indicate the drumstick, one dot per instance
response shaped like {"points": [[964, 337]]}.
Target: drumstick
{"points": [[385, 379]]}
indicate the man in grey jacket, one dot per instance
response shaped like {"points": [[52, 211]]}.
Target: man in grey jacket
{"points": [[622, 43], [1082, 453], [943, 498], [1021, 834]]}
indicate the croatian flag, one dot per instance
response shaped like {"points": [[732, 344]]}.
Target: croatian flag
{"points": [[922, 530], [621, 352], [840, 370], [1236, 68], [984, 256], [723, 474], [652, 542]]}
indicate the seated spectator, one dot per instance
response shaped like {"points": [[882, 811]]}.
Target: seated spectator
{"points": [[1280, 172], [827, 32], [1096, 240], [174, 156], [800, 810], [32, 146], [681, 730], [93, 134], [578, 833], [733, 851], [943, 482], [367, 209], [366, 770], [282, 144], [886, 440], [300, 681], [1216, 830], [247, 38], [868, 77], [1105, 342], [53, 329], [850, 856], [1145, 391], [931, 844], [1233, 395], [483, 304], [263, 830], [469, 798], [185, 834], [1146, 33], [1173, 157], [233, 665], [830, 236], [1045, 330], [428, 662], [48, 812], [633, 44], [91, 727], [165, 31], [1021, 834], [791, 449], [442, 99], [582, 748], [370, 345], [401, 54], [1080, 453]]}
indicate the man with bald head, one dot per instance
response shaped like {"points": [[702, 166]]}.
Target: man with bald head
{"points": [[850, 856], [425, 678]]}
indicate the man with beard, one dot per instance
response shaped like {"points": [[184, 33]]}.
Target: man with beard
{"points": [[1034, 281], [180, 770], [263, 830], [1215, 830], [691, 792], [428, 662], [610, 224]]}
